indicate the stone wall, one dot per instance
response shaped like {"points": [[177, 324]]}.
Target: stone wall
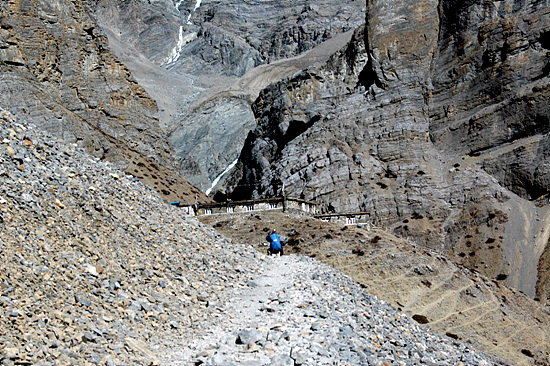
{"points": [[287, 204]]}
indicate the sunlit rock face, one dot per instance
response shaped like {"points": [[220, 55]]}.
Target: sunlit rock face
{"points": [[434, 118], [57, 70], [204, 62]]}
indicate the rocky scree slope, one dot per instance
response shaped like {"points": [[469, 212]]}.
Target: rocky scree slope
{"points": [[56, 69], [204, 62], [95, 268], [434, 118], [425, 285], [297, 311]]}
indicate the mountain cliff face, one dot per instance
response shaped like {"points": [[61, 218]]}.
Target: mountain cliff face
{"points": [[431, 116], [434, 119], [204, 62], [56, 69]]}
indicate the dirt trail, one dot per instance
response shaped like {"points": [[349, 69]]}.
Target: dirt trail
{"points": [[277, 275], [294, 310], [419, 282], [243, 307]]}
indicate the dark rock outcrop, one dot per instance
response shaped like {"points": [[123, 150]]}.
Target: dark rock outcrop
{"points": [[56, 68], [434, 119]]}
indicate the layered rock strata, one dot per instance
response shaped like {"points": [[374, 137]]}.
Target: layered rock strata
{"points": [[56, 68], [433, 119], [205, 62]]}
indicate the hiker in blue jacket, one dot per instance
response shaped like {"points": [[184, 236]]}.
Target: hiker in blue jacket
{"points": [[275, 246]]}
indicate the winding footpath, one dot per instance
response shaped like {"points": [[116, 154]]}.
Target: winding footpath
{"points": [[294, 310]]}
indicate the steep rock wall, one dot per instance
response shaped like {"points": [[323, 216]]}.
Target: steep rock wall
{"points": [[56, 69], [434, 119], [490, 88], [214, 57]]}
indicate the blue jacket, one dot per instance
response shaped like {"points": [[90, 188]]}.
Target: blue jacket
{"points": [[275, 241]]}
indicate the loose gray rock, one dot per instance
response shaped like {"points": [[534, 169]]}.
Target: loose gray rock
{"points": [[357, 328]]}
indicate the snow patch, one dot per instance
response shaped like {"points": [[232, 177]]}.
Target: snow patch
{"points": [[178, 5], [217, 180], [182, 41], [176, 51], [197, 5]]}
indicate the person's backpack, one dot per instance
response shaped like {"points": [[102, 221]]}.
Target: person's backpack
{"points": [[275, 241]]}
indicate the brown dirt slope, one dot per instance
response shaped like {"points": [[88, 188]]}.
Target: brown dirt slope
{"points": [[170, 186], [425, 285], [543, 285]]}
